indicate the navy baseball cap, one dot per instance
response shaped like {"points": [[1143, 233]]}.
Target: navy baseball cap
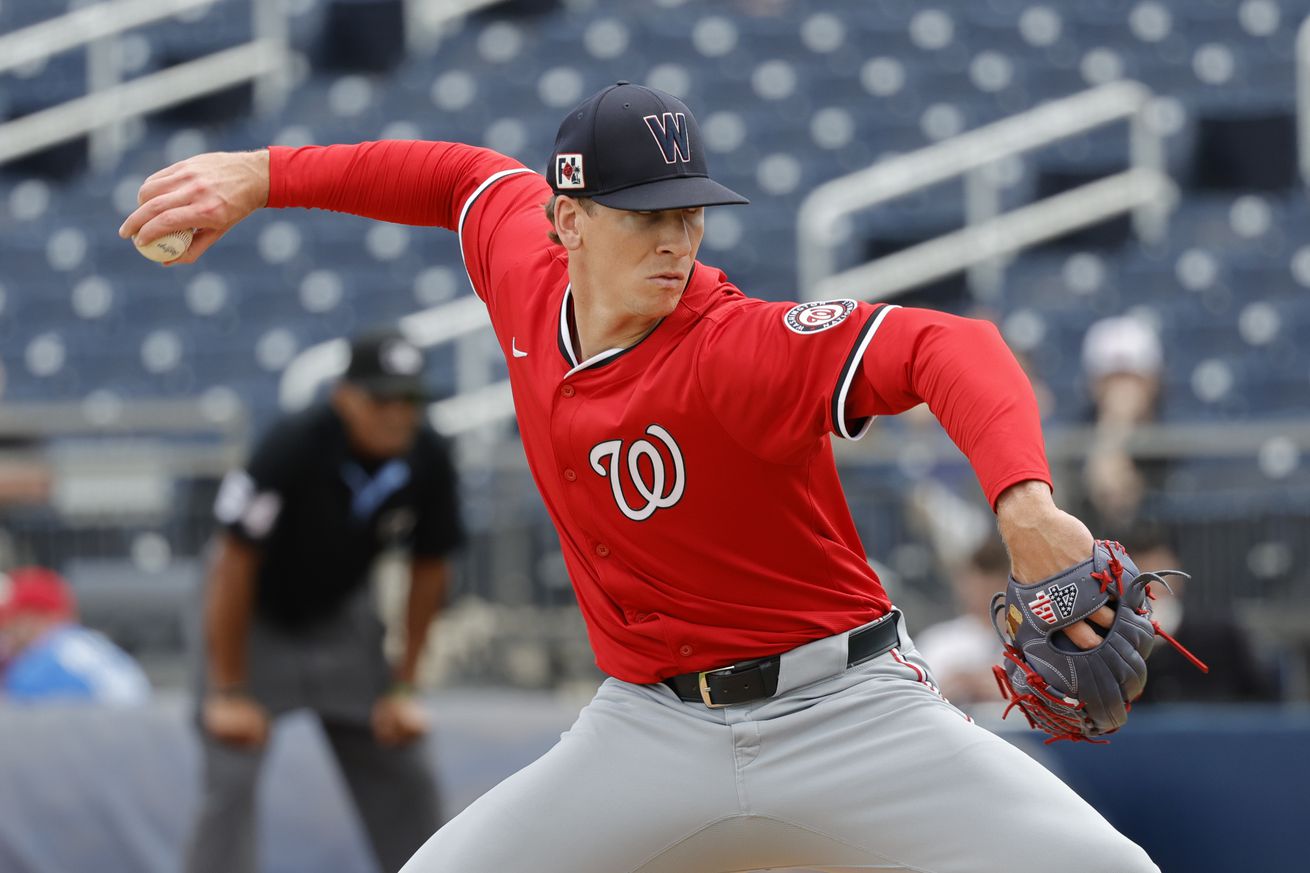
{"points": [[635, 148]]}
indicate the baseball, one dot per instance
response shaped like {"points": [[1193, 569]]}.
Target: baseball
{"points": [[167, 248]]}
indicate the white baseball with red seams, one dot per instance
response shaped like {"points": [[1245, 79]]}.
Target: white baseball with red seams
{"points": [[168, 247]]}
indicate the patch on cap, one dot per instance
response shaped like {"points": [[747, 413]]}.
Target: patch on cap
{"points": [[817, 315], [400, 358], [568, 171]]}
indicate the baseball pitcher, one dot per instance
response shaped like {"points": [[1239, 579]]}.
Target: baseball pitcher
{"points": [[765, 706]]}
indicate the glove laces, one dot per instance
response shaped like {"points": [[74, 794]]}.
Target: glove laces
{"points": [[1113, 575], [1057, 716], [1159, 576]]}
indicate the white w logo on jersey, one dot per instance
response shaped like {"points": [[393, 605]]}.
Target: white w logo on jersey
{"points": [[654, 494]]}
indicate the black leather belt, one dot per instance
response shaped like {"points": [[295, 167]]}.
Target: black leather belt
{"points": [[758, 679]]}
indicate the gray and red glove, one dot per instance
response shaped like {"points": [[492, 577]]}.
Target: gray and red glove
{"points": [[1068, 692]]}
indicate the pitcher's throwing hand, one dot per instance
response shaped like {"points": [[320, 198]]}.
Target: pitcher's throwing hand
{"points": [[208, 194]]}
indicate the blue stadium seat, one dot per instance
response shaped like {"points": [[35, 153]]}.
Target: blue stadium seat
{"points": [[788, 98]]}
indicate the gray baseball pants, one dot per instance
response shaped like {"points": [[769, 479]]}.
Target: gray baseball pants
{"points": [[336, 669], [866, 768]]}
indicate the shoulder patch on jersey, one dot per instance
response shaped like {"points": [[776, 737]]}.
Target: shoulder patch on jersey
{"points": [[818, 315]]}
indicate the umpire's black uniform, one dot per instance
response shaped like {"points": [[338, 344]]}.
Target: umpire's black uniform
{"points": [[319, 515]]}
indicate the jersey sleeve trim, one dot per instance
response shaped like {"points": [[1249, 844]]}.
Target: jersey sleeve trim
{"points": [[490, 180], [848, 371], [468, 205]]}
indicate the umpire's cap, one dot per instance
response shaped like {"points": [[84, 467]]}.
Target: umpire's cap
{"points": [[635, 148], [386, 364]]}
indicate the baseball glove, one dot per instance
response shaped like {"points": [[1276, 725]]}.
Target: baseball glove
{"points": [[1068, 692]]}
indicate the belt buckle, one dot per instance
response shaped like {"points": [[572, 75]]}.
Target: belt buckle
{"points": [[705, 688]]}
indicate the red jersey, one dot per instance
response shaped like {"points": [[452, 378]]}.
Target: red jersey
{"points": [[690, 477]]}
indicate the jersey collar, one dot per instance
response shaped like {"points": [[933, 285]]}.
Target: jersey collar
{"points": [[688, 304]]}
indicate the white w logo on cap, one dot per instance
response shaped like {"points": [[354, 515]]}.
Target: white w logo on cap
{"points": [[670, 132]]}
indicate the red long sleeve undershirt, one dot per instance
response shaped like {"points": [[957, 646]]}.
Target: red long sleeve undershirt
{"points": [[402, 181], [970, 380], [960, 367]]}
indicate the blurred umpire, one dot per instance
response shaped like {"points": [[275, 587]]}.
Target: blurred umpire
{"points": [[289, 616]]}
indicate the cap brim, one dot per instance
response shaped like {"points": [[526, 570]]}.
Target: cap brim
{"points": [[394, 388], [683, 192]]}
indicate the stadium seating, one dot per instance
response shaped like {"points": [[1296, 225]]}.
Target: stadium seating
{"points": [[790, 94]]}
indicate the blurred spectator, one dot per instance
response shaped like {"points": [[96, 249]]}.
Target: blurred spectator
{"points": [[963, 649], [290, 620], [25, 476], [1123, 365], [45, 655], [1236, 674], [24, 472]]}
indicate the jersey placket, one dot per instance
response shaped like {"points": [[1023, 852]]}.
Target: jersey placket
{"points": [[569, 465]]}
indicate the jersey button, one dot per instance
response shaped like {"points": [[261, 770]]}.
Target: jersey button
{"points": [[570, 475], [567, 391], [685, 651], [603, 550]]}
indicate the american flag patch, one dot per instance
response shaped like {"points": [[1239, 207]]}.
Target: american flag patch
{"points": [[1041, 607], [1053, 599]]}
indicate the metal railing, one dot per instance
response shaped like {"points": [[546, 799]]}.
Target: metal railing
{"points": [[1144, 189], [118, 461], [108, 101], [477, 403], [84, 26], [1303, 99]]}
